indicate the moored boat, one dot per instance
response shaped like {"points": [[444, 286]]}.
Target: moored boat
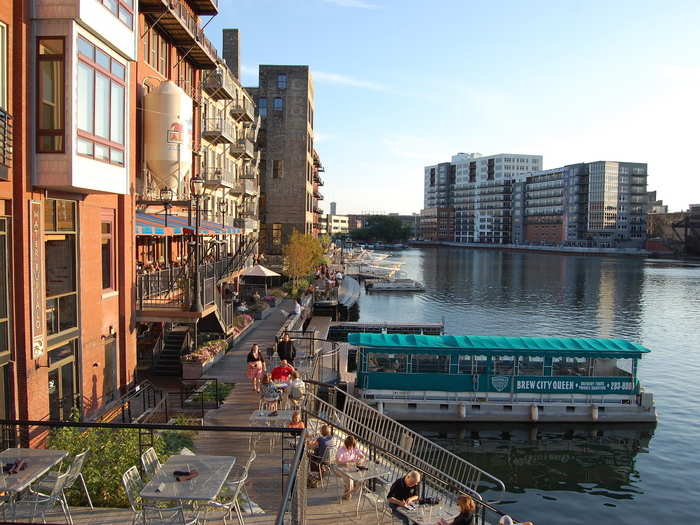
{"points": [[476, 378]]}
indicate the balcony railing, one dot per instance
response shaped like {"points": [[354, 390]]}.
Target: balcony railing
{"points": [[5, 143], [317, 179], [219, 176], [175, 18], [219, 84], [243, 148], [245, 187], [318, 196], [205, 7], [250, 171], [246, 224], [243, 109], [218, 130]]}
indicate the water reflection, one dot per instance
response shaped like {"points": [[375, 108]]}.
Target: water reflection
{"points": [[596, 459]]}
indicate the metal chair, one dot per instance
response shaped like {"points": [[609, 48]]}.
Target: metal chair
{"points": [[327, 461], [150, 462], [74, 473], [378, 500], [241, 480], [35, 504], [150, 514], [221, 510]]}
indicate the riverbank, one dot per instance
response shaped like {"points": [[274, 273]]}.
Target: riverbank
{"points": [[577, 250]]}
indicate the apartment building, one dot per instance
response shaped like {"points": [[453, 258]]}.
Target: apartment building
{"points": [[479, 190], [67, 166], [437, 224], [602, 204], [290, 166]]}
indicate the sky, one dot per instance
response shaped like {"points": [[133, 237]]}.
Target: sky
{"points": [[402, 84]]}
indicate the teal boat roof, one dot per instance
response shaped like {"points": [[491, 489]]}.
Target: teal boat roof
{"points": [[570, 346]]}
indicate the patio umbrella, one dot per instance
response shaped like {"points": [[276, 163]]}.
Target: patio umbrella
{"points": [[257, 274]]}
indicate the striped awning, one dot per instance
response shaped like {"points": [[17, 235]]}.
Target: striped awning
{"points": [[149, 224], [205, 227]]}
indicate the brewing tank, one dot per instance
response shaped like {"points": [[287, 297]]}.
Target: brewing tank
{"points": [[167, 123]]}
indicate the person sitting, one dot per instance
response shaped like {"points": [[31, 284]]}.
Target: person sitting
{"points": [[507, 520], [282, 371], [319, 446], [403, 492], [297, 388], [269, 392], [296, 421], [349, 453], [467, 509]]}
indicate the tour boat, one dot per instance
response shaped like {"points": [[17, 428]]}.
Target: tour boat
{"points": [[395, 285], [476, 378]]}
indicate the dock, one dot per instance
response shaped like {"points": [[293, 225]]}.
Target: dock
{"points": [[339, 330]]}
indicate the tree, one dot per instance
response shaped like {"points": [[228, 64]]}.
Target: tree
{"points": [[302, 254], [384, 228]]}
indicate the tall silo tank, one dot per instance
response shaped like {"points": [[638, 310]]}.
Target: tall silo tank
{"points": [[167, 127]]}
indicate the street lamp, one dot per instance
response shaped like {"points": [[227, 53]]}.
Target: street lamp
{"points": [[223, 208], [196, 191], [166, 197]]}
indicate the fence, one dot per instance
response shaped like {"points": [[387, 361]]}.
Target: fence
{"points": [[115, 447]]}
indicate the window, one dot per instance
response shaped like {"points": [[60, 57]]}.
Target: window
{"points": [[50, 94], [570, 366], [63, 386], [277, 169], [276, 234], [101, 105], [4, 291], [262, 107], [430, 364], [387, 363], [107, 252], [155, 51], [3, 66], [282, 81], [530, 366], [122, 9], [503, 365], [60, 244], [278, 104]]}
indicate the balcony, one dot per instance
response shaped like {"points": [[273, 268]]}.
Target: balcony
{"points": [[243, 109], [243, 148], [219, 176], [5, 144], [248, 225], [220, 85], [317, 179], [318, 196], [183, 27], [218, 131], [245, 187], [205, 7], [317, 210], [250, 170]]}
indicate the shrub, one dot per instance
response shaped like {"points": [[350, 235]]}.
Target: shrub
{"points": [[206, 351]]}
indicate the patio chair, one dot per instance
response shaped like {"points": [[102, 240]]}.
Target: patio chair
{"points": [[150, 462], [148, 514], [228, 502], [74, 473], [379, 502], [241, 480], [35, 504], [326, 462]]}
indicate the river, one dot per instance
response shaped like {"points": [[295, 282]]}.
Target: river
{"points": [[561, 474]]}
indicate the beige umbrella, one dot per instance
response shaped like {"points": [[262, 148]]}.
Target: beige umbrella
{"points": [[259, 271]]}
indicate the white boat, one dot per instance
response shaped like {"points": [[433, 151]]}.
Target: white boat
{"points": [[397, 285]]}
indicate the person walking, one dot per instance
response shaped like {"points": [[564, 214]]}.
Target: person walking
{"points": [[286, 350], [256, 367]]}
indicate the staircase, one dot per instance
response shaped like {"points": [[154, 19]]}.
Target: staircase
{"points": [[168, 362]]}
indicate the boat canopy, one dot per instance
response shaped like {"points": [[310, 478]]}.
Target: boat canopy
{"points": [[485, 345]]}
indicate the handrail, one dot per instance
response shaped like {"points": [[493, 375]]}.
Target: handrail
{"points": [[292, 479]]}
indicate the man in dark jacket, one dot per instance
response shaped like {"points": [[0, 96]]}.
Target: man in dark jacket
{"points": [[286, 350]]}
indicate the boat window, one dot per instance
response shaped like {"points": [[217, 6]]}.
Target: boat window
{"points": [[530, 365], [569, 366], [472, 364], [387, 363], [430, 364], [503, 365], [624, 367], [612, 367]]}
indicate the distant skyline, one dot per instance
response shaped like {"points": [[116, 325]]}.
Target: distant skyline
{"points": [[401, 84]]}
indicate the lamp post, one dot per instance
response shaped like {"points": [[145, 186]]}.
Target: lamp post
{"points": [[166, 197], [196, 190]]}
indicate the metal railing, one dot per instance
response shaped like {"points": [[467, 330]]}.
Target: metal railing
{"points": [[243, 147], [5, 139], [373, 427], [220, 80], [245, 186], [219, 174], [180, 10], [243, 107], [219, 127]]}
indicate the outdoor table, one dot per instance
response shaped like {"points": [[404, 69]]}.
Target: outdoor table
{"points": [[359, 476], [213, 471], [263, 416], [430, 514], [39, 462]]}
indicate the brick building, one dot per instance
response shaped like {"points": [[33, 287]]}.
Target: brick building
{"points": [[290, 166]]}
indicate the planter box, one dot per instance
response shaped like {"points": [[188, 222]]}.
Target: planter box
{"points": [[194, 370], [263, 314], [240, 334]]}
